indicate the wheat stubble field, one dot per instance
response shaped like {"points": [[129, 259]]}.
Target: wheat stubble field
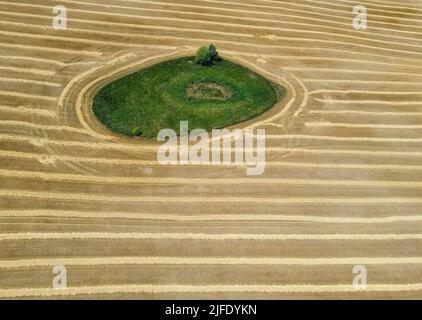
{"points": [[343, 179]]}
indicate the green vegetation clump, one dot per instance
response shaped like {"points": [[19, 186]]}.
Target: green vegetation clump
{"points": [[207, 56], [159, 97]]}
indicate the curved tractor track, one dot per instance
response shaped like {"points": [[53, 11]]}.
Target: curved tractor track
{"points": [[342, 185]]}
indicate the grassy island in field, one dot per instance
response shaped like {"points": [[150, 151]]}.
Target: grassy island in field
{"points": [[210, 93]]}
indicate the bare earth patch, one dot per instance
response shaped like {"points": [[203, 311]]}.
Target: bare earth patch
{"points": [[208, 91]]}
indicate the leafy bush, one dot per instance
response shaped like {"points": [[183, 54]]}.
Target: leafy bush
{"points": [[137, 132], [207, 56]]}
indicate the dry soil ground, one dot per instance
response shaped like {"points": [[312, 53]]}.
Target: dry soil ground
{"points": [[343, 184]]}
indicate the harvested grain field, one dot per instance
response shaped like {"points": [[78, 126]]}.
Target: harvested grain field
{"points": [[343, 179]]}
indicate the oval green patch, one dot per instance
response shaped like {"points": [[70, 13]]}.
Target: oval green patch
{"points": [[159, 97]]}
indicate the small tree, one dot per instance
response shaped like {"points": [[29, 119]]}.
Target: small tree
{"points": [[207, 56]]}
